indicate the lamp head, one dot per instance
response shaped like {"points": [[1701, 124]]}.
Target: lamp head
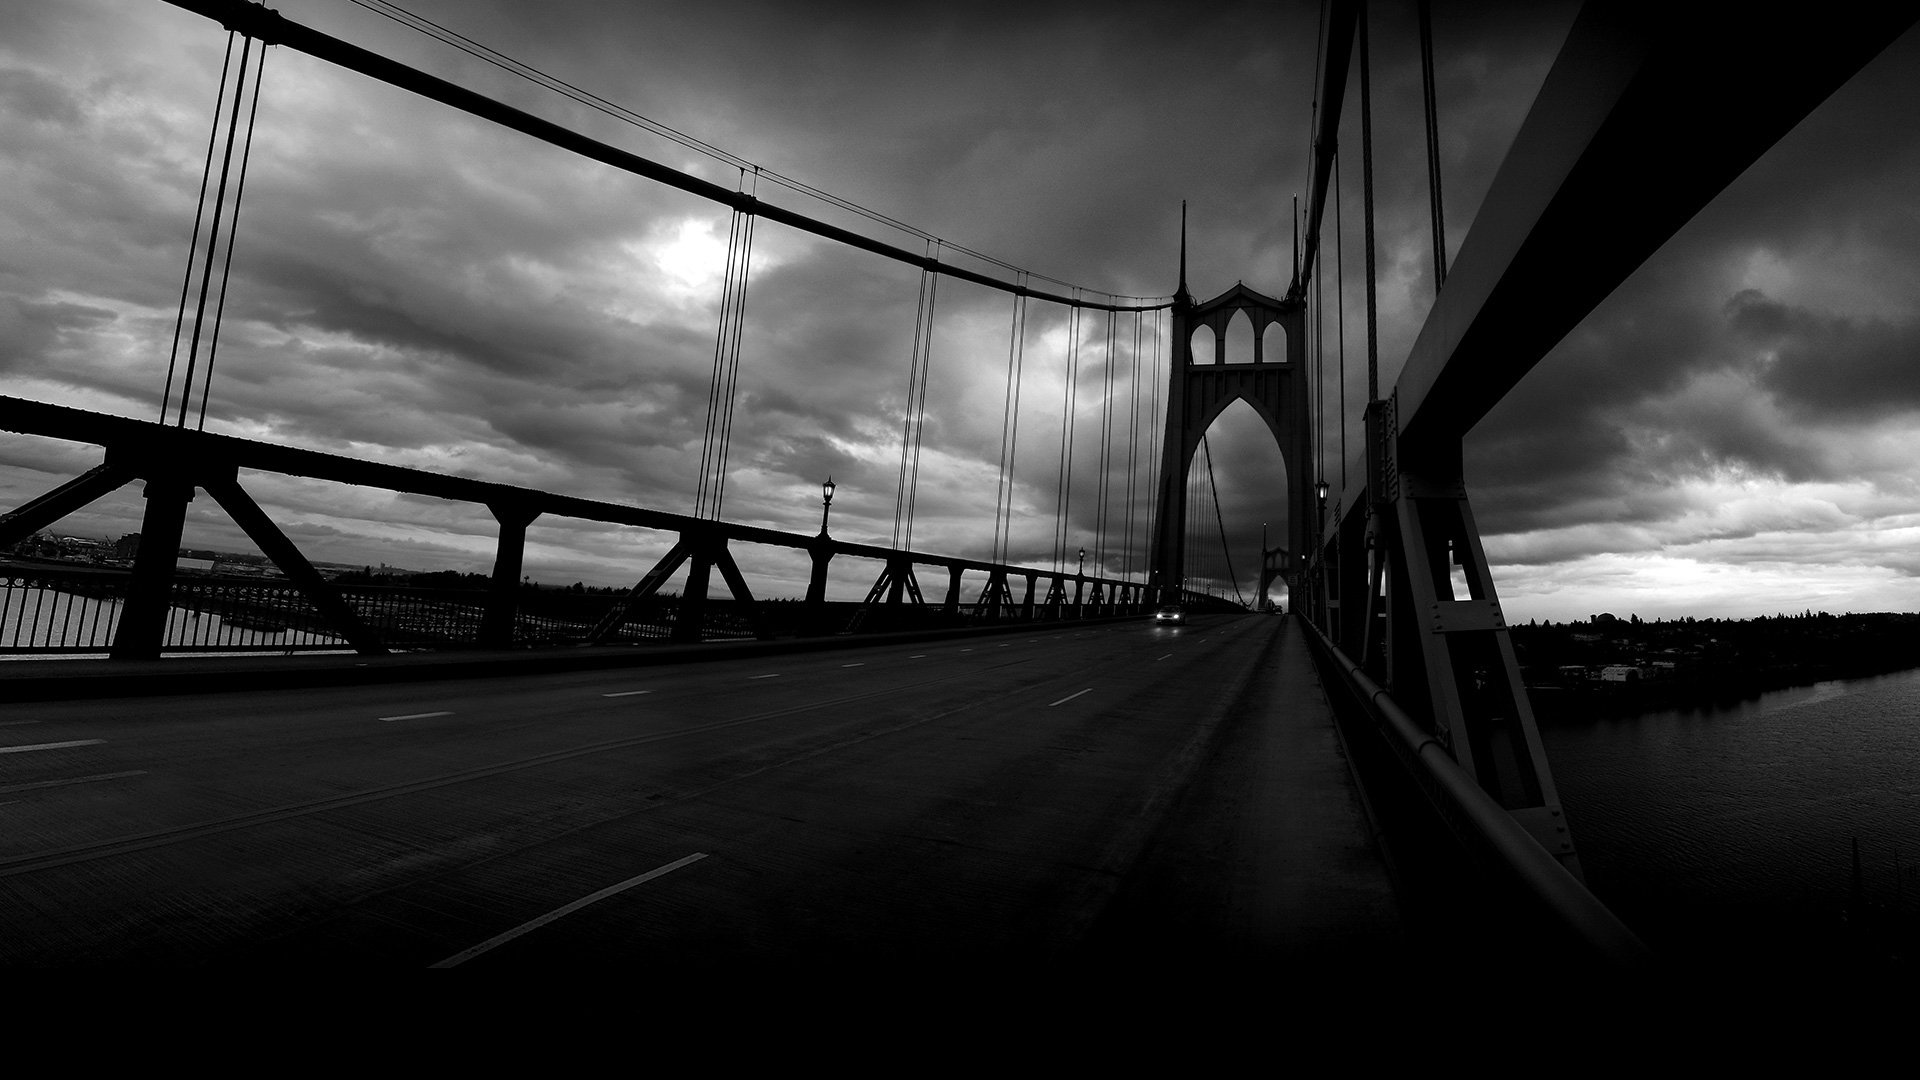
{"points": [[826, 490]]}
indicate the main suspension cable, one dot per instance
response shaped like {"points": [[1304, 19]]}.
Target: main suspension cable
{"points": [[520, 69]]}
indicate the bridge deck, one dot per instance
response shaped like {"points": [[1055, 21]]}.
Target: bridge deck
{"points": [[1072, 797]]}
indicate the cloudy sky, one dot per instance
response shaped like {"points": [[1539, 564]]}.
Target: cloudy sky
{"points": [[1732, 433]]}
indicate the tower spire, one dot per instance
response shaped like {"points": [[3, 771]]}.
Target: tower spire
{"points": [[1181, 292]]}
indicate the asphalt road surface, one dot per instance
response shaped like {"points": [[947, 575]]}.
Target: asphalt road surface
{"points": [[1075, 798]]}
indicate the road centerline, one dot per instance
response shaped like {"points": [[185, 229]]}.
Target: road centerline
{"points": [[1070, 697], [566, 909], [416, 716], [30, 747]]}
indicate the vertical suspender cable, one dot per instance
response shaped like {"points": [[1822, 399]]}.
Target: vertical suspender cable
{"points": [[1133, 445], [1154, 434], [705, 493], [733, 362], [1063, 492], [1009, 433], [913, 431], [193, 245], [1340, 312], [1366, 197], [233, 234], [1105, 503], [1433, 146], [213, 232]]}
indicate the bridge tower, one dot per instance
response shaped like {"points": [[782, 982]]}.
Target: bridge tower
{"points": [[1197, 392]]}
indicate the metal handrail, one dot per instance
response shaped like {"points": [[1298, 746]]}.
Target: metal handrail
{"points": [[1511, 849]]}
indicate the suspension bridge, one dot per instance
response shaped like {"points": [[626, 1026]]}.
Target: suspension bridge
{"points": [[1011, 762]]}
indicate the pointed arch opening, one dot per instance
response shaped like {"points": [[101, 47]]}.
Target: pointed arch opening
{"points": [[1237, 499], [1240, 338], [1205, 351]]}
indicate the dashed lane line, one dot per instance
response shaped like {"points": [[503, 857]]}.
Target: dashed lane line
{"points": [[626, 693], [29, 748], [416, 716], [862, 663], [528, 927], [1070, 697], [8, 789], [774, 675], [17, 723], [1157, 659]]}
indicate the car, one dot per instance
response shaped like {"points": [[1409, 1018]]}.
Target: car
{"points": [[1170, 615]]}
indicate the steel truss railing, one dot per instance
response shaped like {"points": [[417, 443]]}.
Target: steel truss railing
{"points": [[1395, 581], [176, 462]]}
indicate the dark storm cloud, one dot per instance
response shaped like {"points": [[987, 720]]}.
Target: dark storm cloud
{"points": [[1826, 367], [417, 287]]}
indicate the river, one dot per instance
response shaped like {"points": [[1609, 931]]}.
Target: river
{"points": [[1724, 833]]}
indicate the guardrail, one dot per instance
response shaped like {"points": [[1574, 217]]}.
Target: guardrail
{"points": [[1486, 829]]}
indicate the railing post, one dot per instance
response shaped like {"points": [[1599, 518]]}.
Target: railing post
{"points": [[503, 595], [951, 608], [815, 617], [143, 621], [687, 622]]}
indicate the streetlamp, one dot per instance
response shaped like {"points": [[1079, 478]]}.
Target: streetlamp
{"points": [[826, 503], [1320, 489], [1083, 562]]}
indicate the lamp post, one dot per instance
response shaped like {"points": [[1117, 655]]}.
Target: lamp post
{"points": [[1320, 489], [1083, 562], [826, 503]]}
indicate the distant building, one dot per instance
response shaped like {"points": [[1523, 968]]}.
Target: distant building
{"points": [[127, 547]]}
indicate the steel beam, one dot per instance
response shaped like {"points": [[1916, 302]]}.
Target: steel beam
{"points": [[43, 510], [1649, 111]]}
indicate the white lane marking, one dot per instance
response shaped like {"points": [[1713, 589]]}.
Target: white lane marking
{"points": [[1157, 659], [918, 656], [49, 746], [626, 693], [1004, 645], [775, 675], [415, 716], [528, 927], [8, 789], [1070, 697], [966, 650], [17, 723], [862, 663]]}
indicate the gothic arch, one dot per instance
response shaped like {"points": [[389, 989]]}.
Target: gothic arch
{"points": [[1200, 388]]}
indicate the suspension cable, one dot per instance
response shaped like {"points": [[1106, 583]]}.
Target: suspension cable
{"points": [[1009, 434], [1340, 313], [1366, 195], [193, 245], [1133, 447], [724, 381], [913, 433], [213, 231], [1105, 500], [1433, 146], [1153, 437], [1225, 554], [233, 235], [1063, 491], [520, 69]]}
